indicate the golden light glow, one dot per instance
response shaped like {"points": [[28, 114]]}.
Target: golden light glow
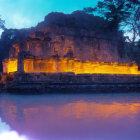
{"points": [[38, 65], [77, 67], [70, 65], [10, 65]]}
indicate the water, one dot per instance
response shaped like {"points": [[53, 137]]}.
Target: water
{"points": [[70, 117]]}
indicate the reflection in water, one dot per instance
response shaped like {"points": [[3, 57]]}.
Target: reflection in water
{"points": [[73, 117]]}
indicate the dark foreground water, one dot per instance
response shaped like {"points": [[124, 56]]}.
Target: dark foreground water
{"points": [[70, 117]]}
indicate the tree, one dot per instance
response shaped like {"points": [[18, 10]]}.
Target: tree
{"points": [[133, 23], [121, 15], [2, 26], [114, 11]]}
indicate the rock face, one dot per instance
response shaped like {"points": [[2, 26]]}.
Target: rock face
{"points": [[78, 35], [65, 42], [62, 43]]}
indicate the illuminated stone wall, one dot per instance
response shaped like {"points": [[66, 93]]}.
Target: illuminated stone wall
{"points": [[99, 50], [70, 65], [82, 48], [10, 65], [77, 67], [38, 65]]}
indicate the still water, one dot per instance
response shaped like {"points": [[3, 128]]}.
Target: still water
{"points": [[70, 117]]}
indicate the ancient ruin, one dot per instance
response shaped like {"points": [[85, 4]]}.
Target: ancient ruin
{"points": [[52, 52], [55, 57]]}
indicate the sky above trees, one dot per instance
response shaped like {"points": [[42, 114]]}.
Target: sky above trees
{"points": [[27, 13]]}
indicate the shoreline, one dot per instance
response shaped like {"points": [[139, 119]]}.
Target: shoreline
{"points": [[43, 88], [24, 83]]}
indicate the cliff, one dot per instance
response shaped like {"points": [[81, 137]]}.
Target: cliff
{"points": [[77, 35]]}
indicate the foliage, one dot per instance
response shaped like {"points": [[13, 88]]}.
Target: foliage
{"points": [[78, 20], [120, 14]]}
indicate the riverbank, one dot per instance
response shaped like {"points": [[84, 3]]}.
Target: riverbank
{"points": [[40, 88]]}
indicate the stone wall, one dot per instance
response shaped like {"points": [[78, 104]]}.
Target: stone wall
{"points": [[10, 65], [71, 78], [64, 65], [67, 42]]}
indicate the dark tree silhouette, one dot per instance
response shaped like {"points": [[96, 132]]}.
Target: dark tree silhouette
{"points": [[133, 22], [78, 20], [115, 11], [121, 15]]}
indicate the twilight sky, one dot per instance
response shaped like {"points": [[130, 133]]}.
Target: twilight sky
{"points": [[27, 13]]}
